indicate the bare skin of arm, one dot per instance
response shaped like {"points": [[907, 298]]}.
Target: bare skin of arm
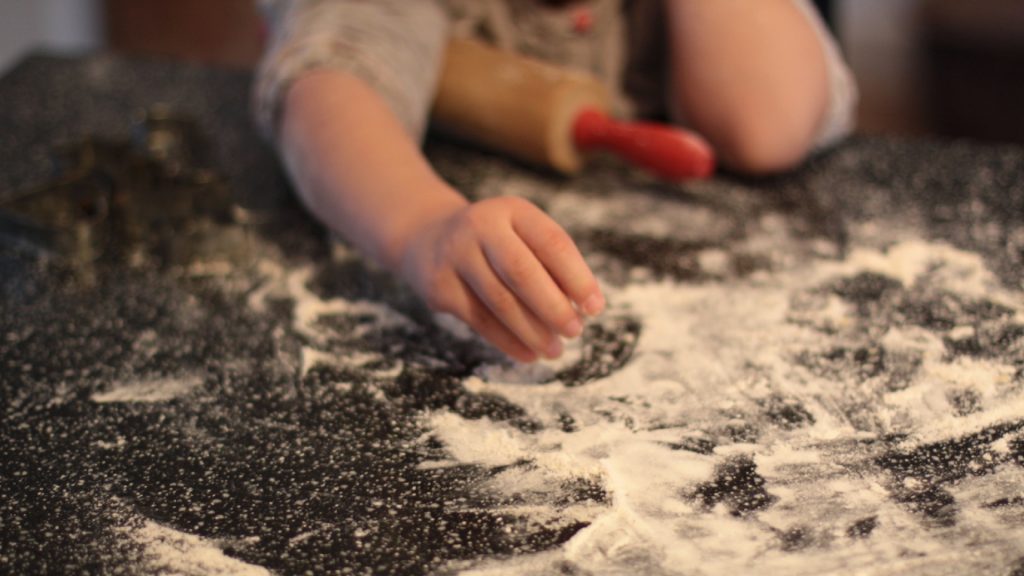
{"points": [[751, 76], [500, 265]]}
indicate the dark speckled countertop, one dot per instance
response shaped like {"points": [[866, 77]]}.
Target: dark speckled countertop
{"points": [[821, 373]]}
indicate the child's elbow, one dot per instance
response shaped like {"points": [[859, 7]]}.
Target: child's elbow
{"points": [[766, 145], [765, 131]]}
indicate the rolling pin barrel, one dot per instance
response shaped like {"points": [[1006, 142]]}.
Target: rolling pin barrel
{"points": [[519, 106], [549, 116]]}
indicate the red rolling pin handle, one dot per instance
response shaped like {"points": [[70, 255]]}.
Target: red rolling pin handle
{"points": [[669, 152]]}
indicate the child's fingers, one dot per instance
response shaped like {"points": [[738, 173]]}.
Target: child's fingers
{"points": [[465, 305], [476, 271], [523, 273], [560, 256]]}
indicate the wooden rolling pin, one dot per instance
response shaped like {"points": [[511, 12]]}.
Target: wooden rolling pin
{"points": [[549, 116]]}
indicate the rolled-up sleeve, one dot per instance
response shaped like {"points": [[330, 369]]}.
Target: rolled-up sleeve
{"points": [[395, 46]]}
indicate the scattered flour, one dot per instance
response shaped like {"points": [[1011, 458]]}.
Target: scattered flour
{"points": [[148, 390], [709, 357], [168, 551], [646, 216], [498, 445], [938, 264], [309, 309], [313, 357], [712, 362]]}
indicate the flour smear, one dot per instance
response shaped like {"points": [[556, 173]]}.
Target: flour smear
{"points": [[717, 358], [169, 551], [758, 425], [148, 390]]}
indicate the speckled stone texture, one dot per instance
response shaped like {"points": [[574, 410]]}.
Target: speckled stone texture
{"points": [[262, 400]]}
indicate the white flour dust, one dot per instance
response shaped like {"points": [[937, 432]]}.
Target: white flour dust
{"points": [[759, 381], [311, 309], [148, 389], [169, 551], [711, 360]]}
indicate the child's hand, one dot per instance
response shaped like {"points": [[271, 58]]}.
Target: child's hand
{"points": [[506, 269]]}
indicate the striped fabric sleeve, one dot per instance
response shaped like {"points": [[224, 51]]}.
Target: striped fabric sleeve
{"points": [[395, 46]]}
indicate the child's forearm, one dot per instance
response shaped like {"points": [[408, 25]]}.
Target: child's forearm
{"points": [[751, 76], [500, 265], [356, 168]]}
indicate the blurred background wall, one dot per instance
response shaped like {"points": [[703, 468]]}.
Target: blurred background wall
{"points": [[948, 67], [58, 25], [882, 43]]}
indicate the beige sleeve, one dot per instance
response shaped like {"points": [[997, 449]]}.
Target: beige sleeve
{"points": [[395, 46], [840, 115]]}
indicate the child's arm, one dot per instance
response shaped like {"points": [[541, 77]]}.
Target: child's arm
{"points": [[750, 75], [500, 265]]}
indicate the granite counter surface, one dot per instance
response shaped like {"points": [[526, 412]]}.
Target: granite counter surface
{"points": [[821, 373]]}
